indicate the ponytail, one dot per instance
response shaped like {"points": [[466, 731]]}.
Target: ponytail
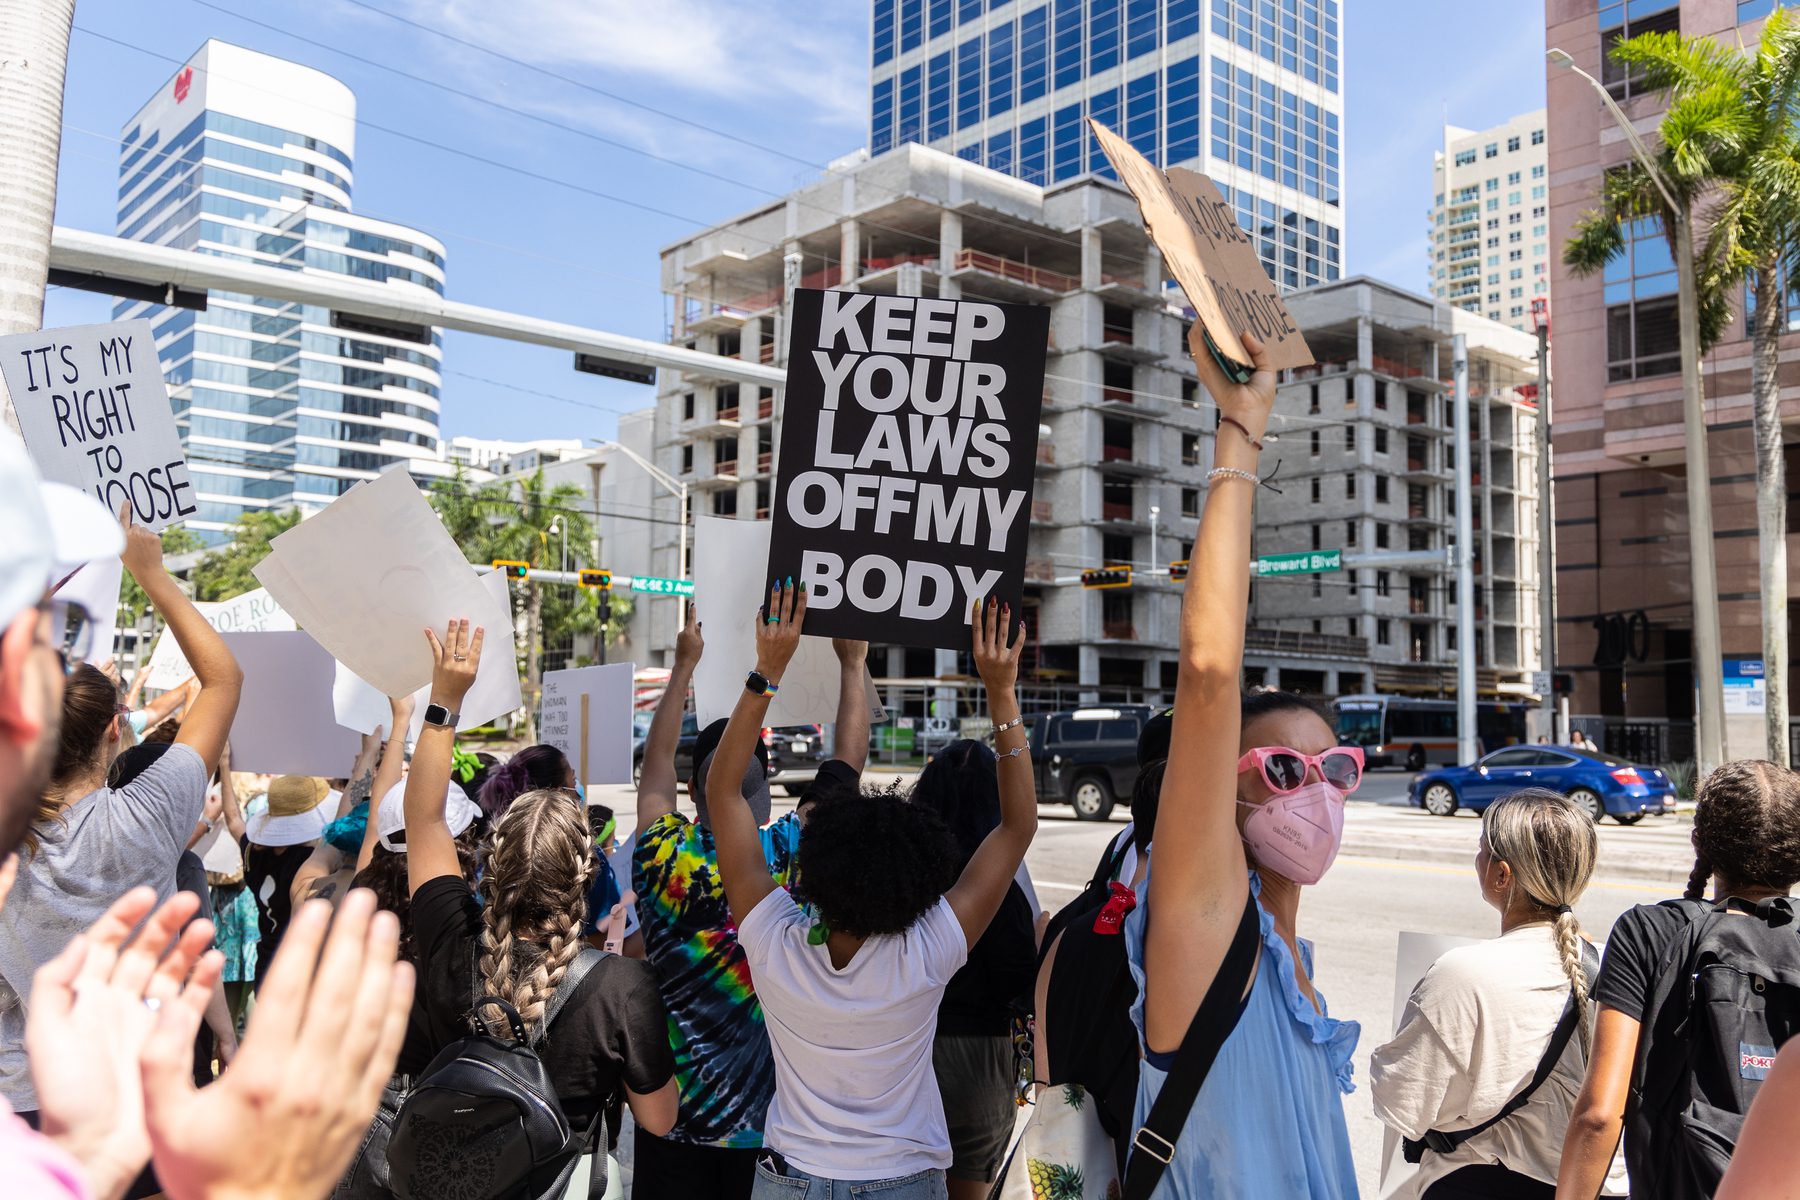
{"points": [[1567, 932], [1698, 879]]}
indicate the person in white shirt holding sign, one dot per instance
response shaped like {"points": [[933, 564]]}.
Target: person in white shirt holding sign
{"points": [[850, 985]]}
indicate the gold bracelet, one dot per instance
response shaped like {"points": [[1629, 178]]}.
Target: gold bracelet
{"points": [[1012, 724]]}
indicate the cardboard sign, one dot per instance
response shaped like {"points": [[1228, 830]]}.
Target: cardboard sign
{"points": [[94, 411], [254, 611], [284, 723], [908, 449], [370, 573], [359, 705], [728, 586], [586, 713], [1210, 255]]}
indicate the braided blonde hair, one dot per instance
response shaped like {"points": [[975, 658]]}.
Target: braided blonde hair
{"points": [[533, 899], [1551, 845]]}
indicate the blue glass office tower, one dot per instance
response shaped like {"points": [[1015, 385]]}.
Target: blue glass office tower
{"points": [[1246, 91], [280, 405]]}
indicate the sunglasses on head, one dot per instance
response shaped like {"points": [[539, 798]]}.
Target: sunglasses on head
{"points": [[1286, 770]]}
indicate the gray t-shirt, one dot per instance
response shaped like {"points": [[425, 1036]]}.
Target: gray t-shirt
{"points": [[99, 848]]}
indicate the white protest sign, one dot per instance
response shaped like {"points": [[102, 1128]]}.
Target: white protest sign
{"points": [[254, 611], [96, 588], [586, 713], [361, 706], [370, 573], [94, 412], [1413, 957], [284, 723], [730, 584]]}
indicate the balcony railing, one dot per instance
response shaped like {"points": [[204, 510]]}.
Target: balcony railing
{"points": [[765, 409], [1293, 641], [765, 463], [766, 353], [1113, 395], [1006, 268], [1116, 512], [1118, 631], [825, 278], [1116, 335], [1115, 453]]}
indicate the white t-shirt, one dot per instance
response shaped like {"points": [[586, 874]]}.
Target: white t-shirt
{"points": [[1470, 1039], [855, 1093]]}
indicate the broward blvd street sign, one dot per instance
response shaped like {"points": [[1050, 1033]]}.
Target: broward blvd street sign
{"points": [[657, 586], [1303, 563]]}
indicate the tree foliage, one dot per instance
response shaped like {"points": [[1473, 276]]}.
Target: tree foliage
{"points": [[226, 572]]}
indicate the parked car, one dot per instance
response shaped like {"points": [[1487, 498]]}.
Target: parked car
{"points": [[1603, 786], [684, 746], [1087, 757], [795, 752]]}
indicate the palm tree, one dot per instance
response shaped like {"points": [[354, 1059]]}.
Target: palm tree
{"points": [[1731, 151], [31, 101]]}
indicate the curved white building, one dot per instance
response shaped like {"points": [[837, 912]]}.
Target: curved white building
{"points": [[280, 405]]}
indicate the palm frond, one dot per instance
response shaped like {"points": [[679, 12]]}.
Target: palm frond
{"points": [[1706, 132], [1598, 238], [1668, 62]]}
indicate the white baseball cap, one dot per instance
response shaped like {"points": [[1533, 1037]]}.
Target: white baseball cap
{"points": [[459, 813], [51, 529]]}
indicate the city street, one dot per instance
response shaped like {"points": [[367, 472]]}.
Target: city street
{"points": [[1401, 869]]}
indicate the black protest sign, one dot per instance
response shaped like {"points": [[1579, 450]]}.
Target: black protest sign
{"points": [[908, 444], [95, 414]]}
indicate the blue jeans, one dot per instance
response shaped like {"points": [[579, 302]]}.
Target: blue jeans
{"points": [[798, 1185]]}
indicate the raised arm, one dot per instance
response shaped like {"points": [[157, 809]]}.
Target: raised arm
{"points": [[1599, 1113], [207, 722], [387, 774], [977, 894], [850, 736], [1199, 877], [161, 708], [656, 781], [228, 797], [742, 867], [430, 850]]}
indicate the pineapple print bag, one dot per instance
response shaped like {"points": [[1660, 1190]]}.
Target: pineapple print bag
{"points": [[1066, 1153]]}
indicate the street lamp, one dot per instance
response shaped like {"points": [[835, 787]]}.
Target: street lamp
{"points": [[556, 526], [1709, 666], [676, 487]]}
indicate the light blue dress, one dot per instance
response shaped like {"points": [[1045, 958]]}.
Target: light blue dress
{"points": [[1269, 1121]]}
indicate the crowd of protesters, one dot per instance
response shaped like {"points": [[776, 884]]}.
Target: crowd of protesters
{"points": [[444, 975]]}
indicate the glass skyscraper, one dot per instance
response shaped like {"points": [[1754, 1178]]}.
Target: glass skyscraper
{"points": [[1247, 91], [280, 404]]}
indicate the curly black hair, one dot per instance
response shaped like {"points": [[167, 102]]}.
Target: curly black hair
{"points": [[875, 863], [962, 787], [386, 877], [1747, 828]]}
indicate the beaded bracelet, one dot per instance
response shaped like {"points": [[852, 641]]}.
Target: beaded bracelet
{"points": [[1230, 473]]}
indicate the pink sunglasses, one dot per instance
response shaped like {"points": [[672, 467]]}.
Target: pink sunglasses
{"points": [[1285, 770]]}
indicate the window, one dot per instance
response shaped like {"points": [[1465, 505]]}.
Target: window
{"points": [[1349, 533], [725, 503], [1494, 204], [1620, 20], [1315, 443], [1465, 158], [1381, 535], [687, 459], [1514, 218], [1537, 137], [1517, 235], [1382, 583], [1350, 622], [1513, 197], [1642, 331], [1493, 223], [1384, 632], [1350, 438], [1491, 150], [1538, 231], [1190, 502], [1537, 211], [1381, 489], [1537, 172], [1512, 177], [1312, 405], [1537, 193], [1512, 143], [1493, 185], [1316, 490], [1350, 486], [1316, 543], [1381, 393], [1515, 256], [687, 406], [1190, 449]]}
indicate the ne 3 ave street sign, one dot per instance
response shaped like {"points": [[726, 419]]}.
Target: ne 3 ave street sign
{"points": [[655, 585], [1302, 563]]}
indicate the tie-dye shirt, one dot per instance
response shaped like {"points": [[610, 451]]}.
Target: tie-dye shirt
{"points": [[722, 1060]]}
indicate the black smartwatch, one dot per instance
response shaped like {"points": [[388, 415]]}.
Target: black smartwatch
{"points": [[438, 715], [759, 684]]}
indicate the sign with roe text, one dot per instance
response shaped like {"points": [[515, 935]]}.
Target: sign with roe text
{"points": [[907, 454], [94, 412]]}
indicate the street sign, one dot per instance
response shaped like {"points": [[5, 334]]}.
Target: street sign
{"points": [[655, 585], [1303, 563], [1540, 682]]}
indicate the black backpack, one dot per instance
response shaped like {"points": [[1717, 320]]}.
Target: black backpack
{"points": [[1727, 996], [484, 1119]]}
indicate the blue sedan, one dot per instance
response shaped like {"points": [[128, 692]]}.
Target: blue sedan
{"points": [[1602, 786]]}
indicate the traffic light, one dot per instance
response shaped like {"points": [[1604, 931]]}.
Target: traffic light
{"points": [[1562, 684], [590, 577], [1178, 570], [511, 568], [1106, 577]]}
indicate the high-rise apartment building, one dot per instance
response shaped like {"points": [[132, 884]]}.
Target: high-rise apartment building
{"points": [[1367, 443], [1490, 219], [280, 405], [1249, 92], [1624, 603]]}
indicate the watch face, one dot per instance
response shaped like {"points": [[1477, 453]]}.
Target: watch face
{"points": [[757, 682], [437, 714]]}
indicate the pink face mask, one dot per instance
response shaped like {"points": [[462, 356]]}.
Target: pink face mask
{"points": [[1296, 834]]}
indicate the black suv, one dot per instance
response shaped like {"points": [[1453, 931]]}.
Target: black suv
{"points": [[795, 752], [1087, 757]]}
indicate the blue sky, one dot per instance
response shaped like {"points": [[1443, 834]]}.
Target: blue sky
{"points": [[759, 94]]}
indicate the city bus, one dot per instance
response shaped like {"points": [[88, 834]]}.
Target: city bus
{"points": [[1402, 731]]}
